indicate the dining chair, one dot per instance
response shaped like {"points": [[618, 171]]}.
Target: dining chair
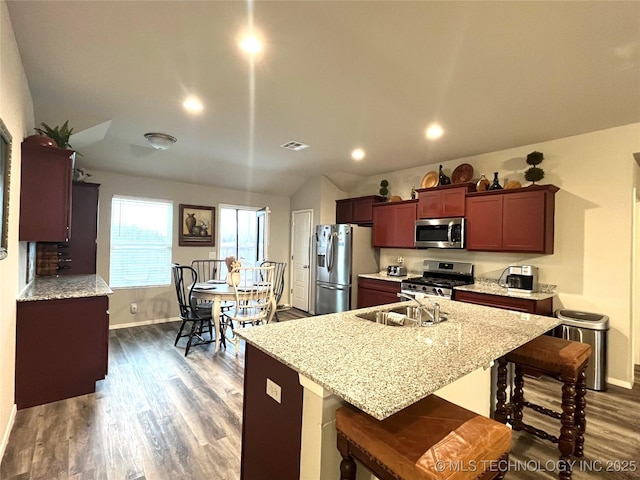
{"points": [[278, 284], [212, 271], [253, 287], [198, 316]]}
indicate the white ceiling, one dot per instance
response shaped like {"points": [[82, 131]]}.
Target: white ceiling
{"points": [[335, 75]]}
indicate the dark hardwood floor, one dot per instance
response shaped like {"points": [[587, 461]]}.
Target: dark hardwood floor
{"points": [[159, 415]]}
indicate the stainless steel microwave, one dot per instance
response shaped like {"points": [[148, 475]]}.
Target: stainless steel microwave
{"points": [[440, 233]]}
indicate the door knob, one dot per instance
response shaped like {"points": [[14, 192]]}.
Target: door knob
{"points": [[305, 266]]}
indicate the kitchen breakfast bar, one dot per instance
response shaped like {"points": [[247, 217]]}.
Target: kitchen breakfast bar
{"points": [[297, 373]]}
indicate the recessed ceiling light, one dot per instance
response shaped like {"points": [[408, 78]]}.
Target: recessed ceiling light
{"points": [[251, 44], [434, 131], [357, 154], [192, 104]]}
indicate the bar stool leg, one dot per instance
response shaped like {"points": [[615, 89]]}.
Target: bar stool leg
{"points": [[518, 398], [568, 430], [347, 465], [502, 413], [581, 404]]}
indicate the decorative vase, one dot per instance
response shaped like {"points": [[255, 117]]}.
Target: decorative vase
{"points": [[496, 183], [444, 180], [233, 278], [203, 232], [190, 222], [482, 184], [195, 231]]}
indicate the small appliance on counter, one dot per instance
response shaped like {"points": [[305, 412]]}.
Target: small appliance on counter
{"points": [[522, 279], [397, 271]]}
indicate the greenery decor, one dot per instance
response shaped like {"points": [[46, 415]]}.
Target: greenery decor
{"points": [[384, 191], [58, 134], [534, 174]]}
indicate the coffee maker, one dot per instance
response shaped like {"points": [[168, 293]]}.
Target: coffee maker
{"points": [[522, 279]]}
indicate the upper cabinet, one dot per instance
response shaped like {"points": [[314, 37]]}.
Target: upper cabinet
{"points": [[45, 193], [443, 202], [357, 210], [518, 220], [394, 224]]}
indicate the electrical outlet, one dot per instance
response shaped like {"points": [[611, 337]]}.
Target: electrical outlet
{"points": [[212, 255], [400, 260], [133, 308], [274, 390]]}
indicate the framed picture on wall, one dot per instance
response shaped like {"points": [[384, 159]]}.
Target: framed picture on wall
{"points": [[5, 177], [196, 226]]}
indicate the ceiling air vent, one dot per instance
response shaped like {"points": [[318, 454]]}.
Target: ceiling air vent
{"points": [[295, 146]]}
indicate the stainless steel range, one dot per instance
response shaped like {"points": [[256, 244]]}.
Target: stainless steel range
{"points": [[439, 278]]}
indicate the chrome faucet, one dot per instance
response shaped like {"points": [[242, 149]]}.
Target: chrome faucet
{"points": [[422, 308]]}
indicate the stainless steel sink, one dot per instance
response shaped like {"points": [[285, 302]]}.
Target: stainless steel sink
{"points": [[400, 317]]}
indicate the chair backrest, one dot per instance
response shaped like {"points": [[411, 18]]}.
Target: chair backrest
{"points": [[254, 293], [210, 269], [184, 278], [278, 277]]}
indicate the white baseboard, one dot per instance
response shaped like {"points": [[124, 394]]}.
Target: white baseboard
{"points": [[619, 383], [143, 322], [7, 430]]}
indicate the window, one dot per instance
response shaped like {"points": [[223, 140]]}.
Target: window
{"points": [[244, 234], [140, 242]]}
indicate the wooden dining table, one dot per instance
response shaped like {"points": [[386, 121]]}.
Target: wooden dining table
{"points": [[217, 293]]}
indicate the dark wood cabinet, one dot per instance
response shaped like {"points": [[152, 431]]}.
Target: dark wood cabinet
{"points": [[358, 210], [518, 220], [372, 292], [443, 202], [394, 224], [539, 307], [79, 254], [61, 348], [45, 193]]}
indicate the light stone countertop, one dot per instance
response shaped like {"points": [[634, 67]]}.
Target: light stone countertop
{"points": [[382, 369], [388, 278], [65, 286], [490, 286]]}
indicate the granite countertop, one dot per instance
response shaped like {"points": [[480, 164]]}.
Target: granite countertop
{"points": [[382, 369], [65, 286], [388, 278], [490, 286]]}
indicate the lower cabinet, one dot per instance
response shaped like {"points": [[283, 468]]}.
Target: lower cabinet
{"points": [[61, 348], [539, 307], [373, 292]]}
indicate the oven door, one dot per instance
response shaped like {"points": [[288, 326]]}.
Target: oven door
{"points": [[440, 233]]}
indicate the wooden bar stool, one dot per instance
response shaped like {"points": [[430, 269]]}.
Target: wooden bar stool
{"points": [[563, 360], [431, 439]]}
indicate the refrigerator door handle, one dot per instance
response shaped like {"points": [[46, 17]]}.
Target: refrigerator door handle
{"points": [[329, 253], [329, 288]]}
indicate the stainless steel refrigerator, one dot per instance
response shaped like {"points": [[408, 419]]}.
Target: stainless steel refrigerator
{"points": [[342, 252]]}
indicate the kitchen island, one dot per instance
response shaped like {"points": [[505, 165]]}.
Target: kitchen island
{"points": [[300, 371]]}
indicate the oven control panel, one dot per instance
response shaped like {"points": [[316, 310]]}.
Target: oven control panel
{"points": [[412, 288]]}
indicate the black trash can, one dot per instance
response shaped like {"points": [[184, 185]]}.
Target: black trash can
{"points": [[590, 328]]}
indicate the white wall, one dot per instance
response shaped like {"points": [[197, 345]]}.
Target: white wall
{"points": [[592, 262], [16, 111], [159, 302]]}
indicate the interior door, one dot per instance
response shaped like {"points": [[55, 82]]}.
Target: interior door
{"points": [[301, 259]]}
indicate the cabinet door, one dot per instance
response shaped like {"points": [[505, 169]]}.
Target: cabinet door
{"points": [[394, 224], [81, 248], [61, 348], [430, 205], [45, 193], [383, 225], [344, 211], [484, 222], [539, 307], [524, 222], [377, 292], [363, 210], [453, 202]]}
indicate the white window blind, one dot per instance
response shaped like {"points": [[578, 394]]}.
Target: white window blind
{"points": [[141, 242]]}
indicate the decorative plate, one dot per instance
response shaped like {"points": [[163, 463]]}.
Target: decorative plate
{"points": [[430, 180], [462, 173]]}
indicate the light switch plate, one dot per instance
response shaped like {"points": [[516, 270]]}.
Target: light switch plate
{"points": [[274, 390], [212, 255]]}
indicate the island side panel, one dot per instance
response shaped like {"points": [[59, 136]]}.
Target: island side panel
{"points": [[271, 431]]}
